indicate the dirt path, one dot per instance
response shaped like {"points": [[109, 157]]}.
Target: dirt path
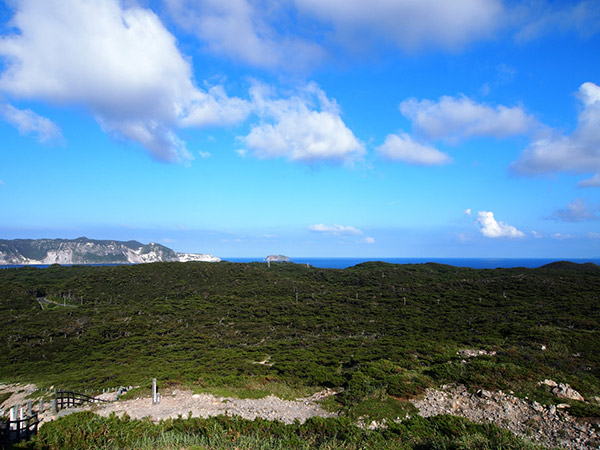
{"points": [[181, 402]]}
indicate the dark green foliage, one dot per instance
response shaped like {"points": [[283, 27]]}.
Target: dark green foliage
{"points": [[83, 431], [376, 329]]}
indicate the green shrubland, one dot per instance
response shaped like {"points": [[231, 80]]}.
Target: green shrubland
{"points": [[379, 333]]}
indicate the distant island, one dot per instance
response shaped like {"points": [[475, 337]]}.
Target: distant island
{"points": [[90, 251], [278, 258]]}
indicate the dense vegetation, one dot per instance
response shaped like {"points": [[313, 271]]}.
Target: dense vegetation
{"points": [[86, 431], [379, 330]]}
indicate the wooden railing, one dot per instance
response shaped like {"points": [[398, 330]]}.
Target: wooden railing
{"points": [[70, 399], [19, 429]]}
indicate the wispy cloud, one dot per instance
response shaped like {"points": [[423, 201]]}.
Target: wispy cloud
{"points": [[334, 229], [406, 24], [457, 118], [576, 211], [402, 148], [590, 182], [246, 31], [541, 17], [28, 122]]}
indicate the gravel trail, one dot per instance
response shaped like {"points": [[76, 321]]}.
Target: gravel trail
{"points": [[181, 403]]}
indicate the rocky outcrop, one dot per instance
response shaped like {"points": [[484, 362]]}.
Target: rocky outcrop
{"points": [[89, 251], [201, 257], [563, 390], [548, 425], [278, 258]]}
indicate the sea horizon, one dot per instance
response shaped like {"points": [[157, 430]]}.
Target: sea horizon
{"points": [[323, 262]]}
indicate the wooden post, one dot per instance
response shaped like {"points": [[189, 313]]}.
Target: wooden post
{"points": [[29, 408], [41, 407]]}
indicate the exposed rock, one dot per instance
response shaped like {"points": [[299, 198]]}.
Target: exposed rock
{"points": [[549, 383], [563, 390], [278, 258], [472, 353], [547, 425], [89, 251]]}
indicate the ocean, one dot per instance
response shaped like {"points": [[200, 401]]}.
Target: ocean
{"points": [[474, 263], [342, 263]]}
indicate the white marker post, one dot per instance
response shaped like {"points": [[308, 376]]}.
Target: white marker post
{"points": [[154, 392], [13, 418]]}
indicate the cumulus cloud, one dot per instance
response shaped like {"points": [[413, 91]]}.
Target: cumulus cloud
{"points": [[577, 152], [28, 122], [492, 228], [121, 64], [467, 212], [369, 240], [401, 147], [305, 128], [455, 118], [576, 211], [536, 235], [334, 229], [244, 31], [408, 24]]}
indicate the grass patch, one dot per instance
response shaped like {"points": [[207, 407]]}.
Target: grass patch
{"points": [[387, 408], [4, 396]]}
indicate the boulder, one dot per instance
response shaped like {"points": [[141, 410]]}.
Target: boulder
{"points": [[563, 390]]}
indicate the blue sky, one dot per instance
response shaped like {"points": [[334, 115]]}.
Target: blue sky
{"points": [[389, 128]]}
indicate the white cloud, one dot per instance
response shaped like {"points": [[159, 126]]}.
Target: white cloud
{"points": [[590, 182], [401, 147], [334, 229], [578, 152], [467, 212], [121, 64], [204, 155], [576, 211], [245, 31], [369, 240], [536, 235], [28, 122], [454, 118], [541, 17], [409, 24], [492, 228], [305, 128]]}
